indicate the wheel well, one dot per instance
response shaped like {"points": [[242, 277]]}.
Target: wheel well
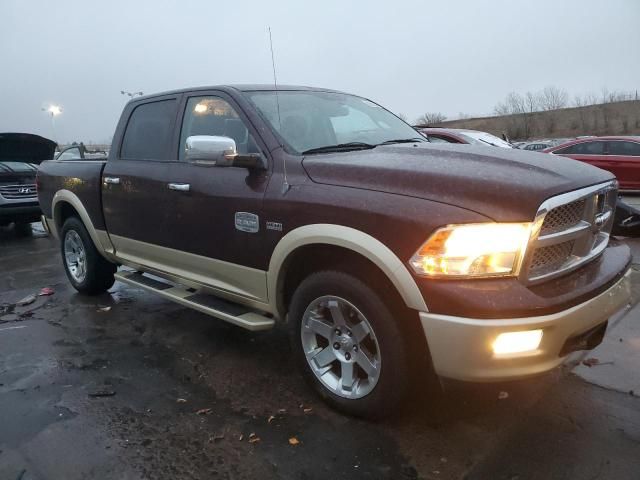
{"points": [[63, 211], [308, 259]]}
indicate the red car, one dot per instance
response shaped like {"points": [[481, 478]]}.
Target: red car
{"points": [[618, 155]]}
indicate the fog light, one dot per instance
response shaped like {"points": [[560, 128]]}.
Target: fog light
{"points": [[517, 342]]}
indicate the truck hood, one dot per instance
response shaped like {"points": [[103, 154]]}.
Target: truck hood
{"points": [[24, 148], [502, 184]]}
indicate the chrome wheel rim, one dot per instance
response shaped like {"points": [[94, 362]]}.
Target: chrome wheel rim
{"points": [[340, 347], [75, 256]]}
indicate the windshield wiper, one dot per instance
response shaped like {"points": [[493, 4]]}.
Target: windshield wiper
{"points": [[340, 147], [403, 140], [488, 143]]}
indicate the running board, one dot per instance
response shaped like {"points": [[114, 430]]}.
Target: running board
{"points": [[205, 303]]}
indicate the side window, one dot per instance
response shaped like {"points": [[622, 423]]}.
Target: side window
{"points": [[588, 148], [565, 151], [214, 116], [149, 132], [630, 149], [70, 154]]}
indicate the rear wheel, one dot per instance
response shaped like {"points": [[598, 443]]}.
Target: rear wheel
{"points": [[349, 344], [86, 269]]}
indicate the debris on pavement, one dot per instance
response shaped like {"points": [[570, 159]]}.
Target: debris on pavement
{"points": [[253, 438], [216, 438], [592, 362], [503, 395], [204, 411], [181, 400], [46, 291], [102, 393], [294, 441], [104, 309], [307, 410], [271, 419], [28, 300]]}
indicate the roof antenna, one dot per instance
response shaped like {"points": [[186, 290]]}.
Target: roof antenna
{"points": [[285, 185]]}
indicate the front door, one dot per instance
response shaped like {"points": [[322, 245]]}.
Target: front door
{"points": [[214, 222]]}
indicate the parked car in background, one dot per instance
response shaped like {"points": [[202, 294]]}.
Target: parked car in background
{"points": [[619, 155], [457, 135], [536, 146], [386, 258], [20, 153]]}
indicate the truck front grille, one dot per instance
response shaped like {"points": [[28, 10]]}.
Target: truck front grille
{"points": [[16, 192], [569, 231]]}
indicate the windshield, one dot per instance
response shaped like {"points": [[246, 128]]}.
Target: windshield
{"points": [[311, 120]]}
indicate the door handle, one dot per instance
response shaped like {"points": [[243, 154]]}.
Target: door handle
{"points": [[180, 187], [112, 180]]}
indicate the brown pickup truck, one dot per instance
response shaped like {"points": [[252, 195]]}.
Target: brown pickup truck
{"points": [[388, 257]]}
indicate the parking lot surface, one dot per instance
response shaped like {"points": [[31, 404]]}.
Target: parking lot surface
{"points": [[126, 385]]}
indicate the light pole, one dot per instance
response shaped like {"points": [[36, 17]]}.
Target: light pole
{"points": [[54, 111], [131, 95]]}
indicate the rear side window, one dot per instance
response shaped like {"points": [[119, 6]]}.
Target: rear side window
{"points": [[149, 132], [631, 149]]}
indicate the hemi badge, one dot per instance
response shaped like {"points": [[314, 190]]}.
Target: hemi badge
{"points": [[247, 222], [277, 226]]}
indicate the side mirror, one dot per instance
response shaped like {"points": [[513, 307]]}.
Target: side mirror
{"points": [[211, 150]]}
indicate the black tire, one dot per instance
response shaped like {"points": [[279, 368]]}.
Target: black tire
{"points": [[387, 394], [99, 272]]}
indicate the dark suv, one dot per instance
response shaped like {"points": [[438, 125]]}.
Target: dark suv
{"points": [[20, 153]]}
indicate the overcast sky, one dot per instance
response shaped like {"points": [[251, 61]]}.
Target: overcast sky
{"points": [[411, 56]]}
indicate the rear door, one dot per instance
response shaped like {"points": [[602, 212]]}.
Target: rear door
{"points": [[135, 197], [624, 161]]}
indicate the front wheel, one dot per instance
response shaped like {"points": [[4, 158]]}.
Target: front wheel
{"points": [[87, 270], [350, 346]]}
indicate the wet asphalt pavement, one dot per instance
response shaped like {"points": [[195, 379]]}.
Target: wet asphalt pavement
{"points": [[129, 386]]}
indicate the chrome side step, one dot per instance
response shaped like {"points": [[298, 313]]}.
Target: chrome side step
{"points": [[205, 303]]}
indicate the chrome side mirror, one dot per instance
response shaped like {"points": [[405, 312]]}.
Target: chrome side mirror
{"points": [[211, 150]]}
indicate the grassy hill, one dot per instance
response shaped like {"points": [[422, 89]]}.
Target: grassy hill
{"points": [[617, 118]]}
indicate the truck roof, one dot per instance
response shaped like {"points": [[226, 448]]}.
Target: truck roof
{"points": [[240, 87]]}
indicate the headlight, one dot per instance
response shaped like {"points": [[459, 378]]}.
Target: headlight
{"points": [[480, 249]]}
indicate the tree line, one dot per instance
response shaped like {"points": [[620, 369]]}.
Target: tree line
{"points": [[539, 113]]}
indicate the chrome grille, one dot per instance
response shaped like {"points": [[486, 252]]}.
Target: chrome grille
{"points": [[551, 258], [15, 192], [569, 231], [563, 217]]}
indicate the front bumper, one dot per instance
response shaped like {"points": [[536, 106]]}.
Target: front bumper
{"points": [[23, 212], [461, 347]]}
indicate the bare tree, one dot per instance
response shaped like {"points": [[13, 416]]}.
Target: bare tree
{"points": [[551, 99], [431, 118], [518, 116]]}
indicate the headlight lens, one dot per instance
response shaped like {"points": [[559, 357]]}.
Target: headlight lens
{"points": [[473, 250]]}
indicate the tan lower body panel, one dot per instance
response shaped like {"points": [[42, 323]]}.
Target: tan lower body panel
{"points": [[461, 347], [244, 282]]}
